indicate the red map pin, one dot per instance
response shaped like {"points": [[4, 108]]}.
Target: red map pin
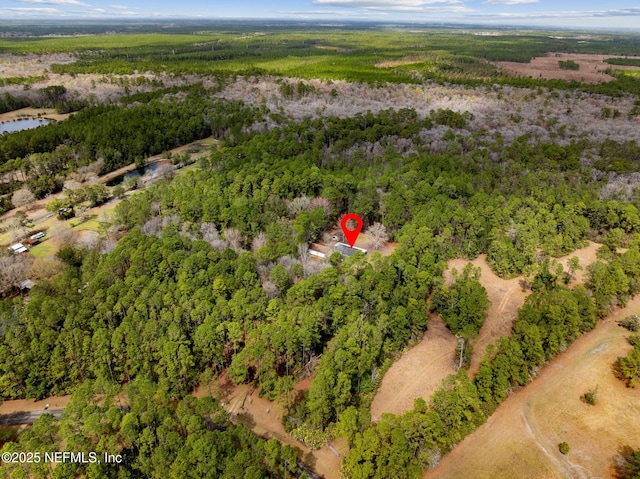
{"points": [[351, 235]]}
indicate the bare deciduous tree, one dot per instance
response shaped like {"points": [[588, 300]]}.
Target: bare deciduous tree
{"points": [[303, 251], [152, 227], [63, 234], [378, 234], [271, 289], [108, 245], [13, 270], [298, 205], [259, 241], [83, 212], [23, 197], [235, 239], [90, 240], [320, 201], [165, 171], [72, 185]]}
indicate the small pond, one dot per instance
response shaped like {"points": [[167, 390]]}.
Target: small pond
{"points": [[22, 124], [147, 170]]}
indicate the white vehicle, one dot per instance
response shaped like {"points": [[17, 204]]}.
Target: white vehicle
{"points": [[18, 248], [35, 239]]}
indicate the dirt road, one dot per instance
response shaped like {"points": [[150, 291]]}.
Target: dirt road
{"points": [[20, 418], [264, 418]]}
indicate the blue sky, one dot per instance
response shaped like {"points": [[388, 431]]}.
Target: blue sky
{"points": [[569, 13]]}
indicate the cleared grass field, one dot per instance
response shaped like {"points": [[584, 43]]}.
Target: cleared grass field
{"points": [[520, 439], [43, 250]]}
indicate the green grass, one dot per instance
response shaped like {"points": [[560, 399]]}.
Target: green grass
{"points": [[90, 225], [43, 250], [631, 73]]}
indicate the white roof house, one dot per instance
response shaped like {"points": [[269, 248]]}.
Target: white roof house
{"points": [[18, 248]]}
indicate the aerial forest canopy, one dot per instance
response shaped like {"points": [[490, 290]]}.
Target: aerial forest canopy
{"points": [[211, 273]]}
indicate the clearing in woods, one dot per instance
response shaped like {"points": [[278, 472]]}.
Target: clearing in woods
{"points": [[521, 438], [419, 371], [591, 67], [507, 298]]}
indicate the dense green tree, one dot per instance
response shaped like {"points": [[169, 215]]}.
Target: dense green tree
{"points": [[463, 305]]}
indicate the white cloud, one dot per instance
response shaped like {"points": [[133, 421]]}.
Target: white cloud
{"points": [[400, 6], [332, 13], [382, 3], [47, 11], [510, 2], [119, 7], [627, 12], [75, 3]]}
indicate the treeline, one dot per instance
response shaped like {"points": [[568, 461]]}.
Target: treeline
{"points": [[632, 62], [150, 435], [10, 103]]}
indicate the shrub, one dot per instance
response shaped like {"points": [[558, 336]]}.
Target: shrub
{"points": [[591, 396], [564, 448], [632, 323], [568, 65]]}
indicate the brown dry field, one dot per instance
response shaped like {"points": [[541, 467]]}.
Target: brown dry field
{"points": [[591, 67], [520, 440], [48, 113], [419, 371], [264, 418]]}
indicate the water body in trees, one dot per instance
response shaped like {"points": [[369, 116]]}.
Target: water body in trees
{"points": [[147, 170], [23, 124]]}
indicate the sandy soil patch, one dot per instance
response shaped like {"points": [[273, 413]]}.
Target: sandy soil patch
{"points": [[264, 418], [591, 67], [521, 438], [586, 255], [302, 385], [400, 62], [418, 373]]}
